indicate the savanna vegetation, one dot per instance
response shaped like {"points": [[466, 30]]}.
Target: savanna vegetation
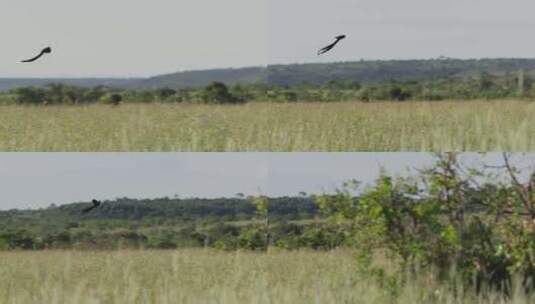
{"points": [[210, 276], [449, 233], [479, 86], [501, 125], [430, 105]]}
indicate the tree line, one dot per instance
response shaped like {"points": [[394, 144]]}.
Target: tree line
{"points": [[481, 86], [165, 223]]}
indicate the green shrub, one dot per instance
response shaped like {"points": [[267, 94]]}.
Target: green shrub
{"points": [[111, 99]]}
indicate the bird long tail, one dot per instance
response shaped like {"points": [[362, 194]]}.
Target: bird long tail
{"points": [[34, 58]]}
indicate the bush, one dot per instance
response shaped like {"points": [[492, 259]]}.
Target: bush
{"points": [[30, 95], [486, 232], [111, 99], [252, 239], [165, 239], [218, 92]]}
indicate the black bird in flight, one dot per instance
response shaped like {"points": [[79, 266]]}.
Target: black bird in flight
{"points": [[95, 205], [330, 46], [46, 50]]}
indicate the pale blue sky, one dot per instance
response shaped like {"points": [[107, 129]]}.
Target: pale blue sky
{"points": [[32, 180], [130, 37], [408, 29], [143, 38]]}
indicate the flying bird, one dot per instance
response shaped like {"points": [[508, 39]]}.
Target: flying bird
{"points": [[330, 46], [95, 205], [46, 50]]}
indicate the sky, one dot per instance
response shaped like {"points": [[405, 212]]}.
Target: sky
{"points": [[128, 38], [408, 29], [137, 38], [34, 180]]}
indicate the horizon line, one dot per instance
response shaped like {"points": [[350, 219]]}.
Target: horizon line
{"points": [[245, 197], [130, 77]]}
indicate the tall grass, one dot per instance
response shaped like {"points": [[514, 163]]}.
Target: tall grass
{"points": [[408, 126], [204, 276]]}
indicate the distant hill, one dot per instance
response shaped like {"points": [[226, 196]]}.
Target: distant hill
{"points": [[176, 80], [399, 70], [204, 78], [184, 209], [311, 73], [11, 83]]}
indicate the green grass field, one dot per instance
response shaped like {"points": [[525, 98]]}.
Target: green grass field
{"points": [[203, 276], [408, 126]]}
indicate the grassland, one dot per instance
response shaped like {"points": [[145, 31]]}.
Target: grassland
{"points": [[202, 276], [408, 126]]}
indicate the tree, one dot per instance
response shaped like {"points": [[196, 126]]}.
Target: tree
{"points": [[217, 92], [111, 99], [398, 93], [262, 211], [29, 95], [54, 93], [241, 93], [165, 93], [94, 94], [485, 81], [444, 218]]}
